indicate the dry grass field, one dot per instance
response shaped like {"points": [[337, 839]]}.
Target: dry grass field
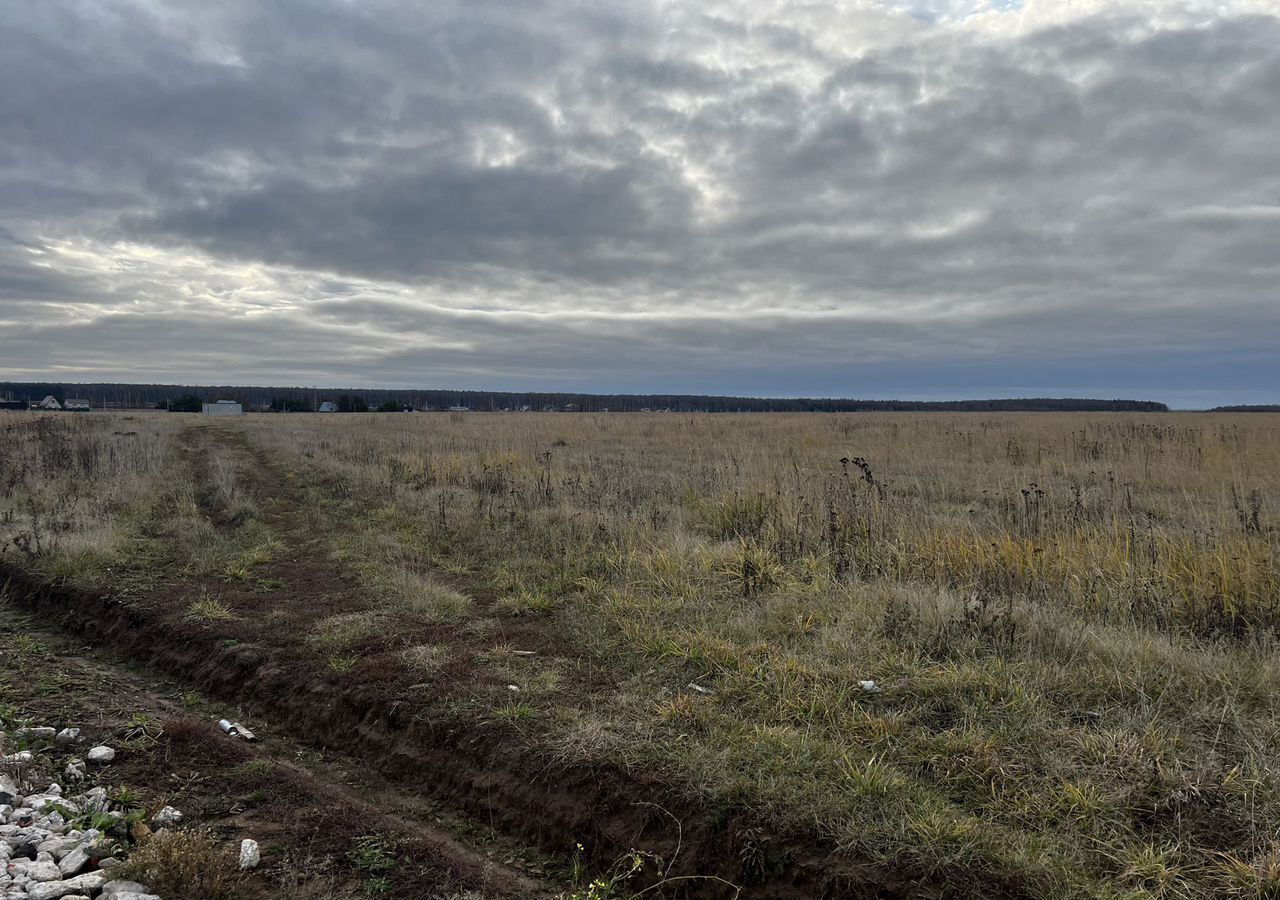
{"points": [[1012, 655]]}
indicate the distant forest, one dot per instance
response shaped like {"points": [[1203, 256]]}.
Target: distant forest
{"points": [[299, 399], [1255, 407]]}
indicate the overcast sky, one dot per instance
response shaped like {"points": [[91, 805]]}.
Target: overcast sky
{"points": [[867, 199]]}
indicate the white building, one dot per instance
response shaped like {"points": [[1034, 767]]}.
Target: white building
{"points": [[76, 405], [223, 408], [328, 406], [50, 402]]}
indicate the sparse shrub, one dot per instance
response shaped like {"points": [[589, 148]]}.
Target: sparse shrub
{"points": [[185, 865]]}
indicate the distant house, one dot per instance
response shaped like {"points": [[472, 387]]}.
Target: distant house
{"points": [[328, 406], [223, 408], [459, 409], [76, 405], [50, 402]]}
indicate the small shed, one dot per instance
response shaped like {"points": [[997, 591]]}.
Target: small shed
{"points": [[328, 406], [76, 405], [50, 402], [223, 408]]}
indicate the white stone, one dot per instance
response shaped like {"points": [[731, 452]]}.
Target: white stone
{"points": [[119, 886], [68, 735], [73, 862], [60, 846], [55, 890], [40, 803], [101, 754], [95, 799], [167, 816], [42, 870], [249, 854]]}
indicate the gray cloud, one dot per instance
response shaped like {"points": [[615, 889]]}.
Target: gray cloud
{"points": [[650, 196]]}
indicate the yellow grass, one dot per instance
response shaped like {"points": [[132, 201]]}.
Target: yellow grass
{"points": [[1069, 619]]}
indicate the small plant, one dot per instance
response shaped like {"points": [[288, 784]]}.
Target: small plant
{"points": [[683, 710], [611, 885], [142, 728], [515, 712], [374, 855], [256, 768], [426, 659], [207, 610], [343, 664], [127, 798], [753, 569], [25, 645]]}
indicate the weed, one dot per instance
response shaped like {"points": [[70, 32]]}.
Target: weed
{"points": [[374, 855], [25, 645], [208, 610], [343, 664], [185, 865]]}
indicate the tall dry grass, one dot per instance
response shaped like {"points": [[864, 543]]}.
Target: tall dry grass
{"points": [[1070, 620]]}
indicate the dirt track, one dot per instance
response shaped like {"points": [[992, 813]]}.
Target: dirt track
{"points": [[406, 749]]}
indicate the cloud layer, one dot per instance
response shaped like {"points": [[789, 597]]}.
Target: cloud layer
{"points": [[849, 198]]}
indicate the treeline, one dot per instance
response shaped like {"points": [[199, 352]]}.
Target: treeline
{"points": [[1253, 407], [139, 396]]}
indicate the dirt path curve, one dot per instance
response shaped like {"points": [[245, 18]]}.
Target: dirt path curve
{"points": [[311, 584], [275, 789]]}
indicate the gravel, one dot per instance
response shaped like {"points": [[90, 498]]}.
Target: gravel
{"points": [[48, 851]]}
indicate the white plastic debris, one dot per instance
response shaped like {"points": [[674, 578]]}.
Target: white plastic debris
{"points": [[249, 854], [870, 687], [513, 689], [694, 686]]}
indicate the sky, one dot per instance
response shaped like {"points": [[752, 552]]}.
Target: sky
{"points": [[860, 198]]}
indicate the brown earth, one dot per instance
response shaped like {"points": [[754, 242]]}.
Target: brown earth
{"points": [[305, 809], [422, 745]]}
